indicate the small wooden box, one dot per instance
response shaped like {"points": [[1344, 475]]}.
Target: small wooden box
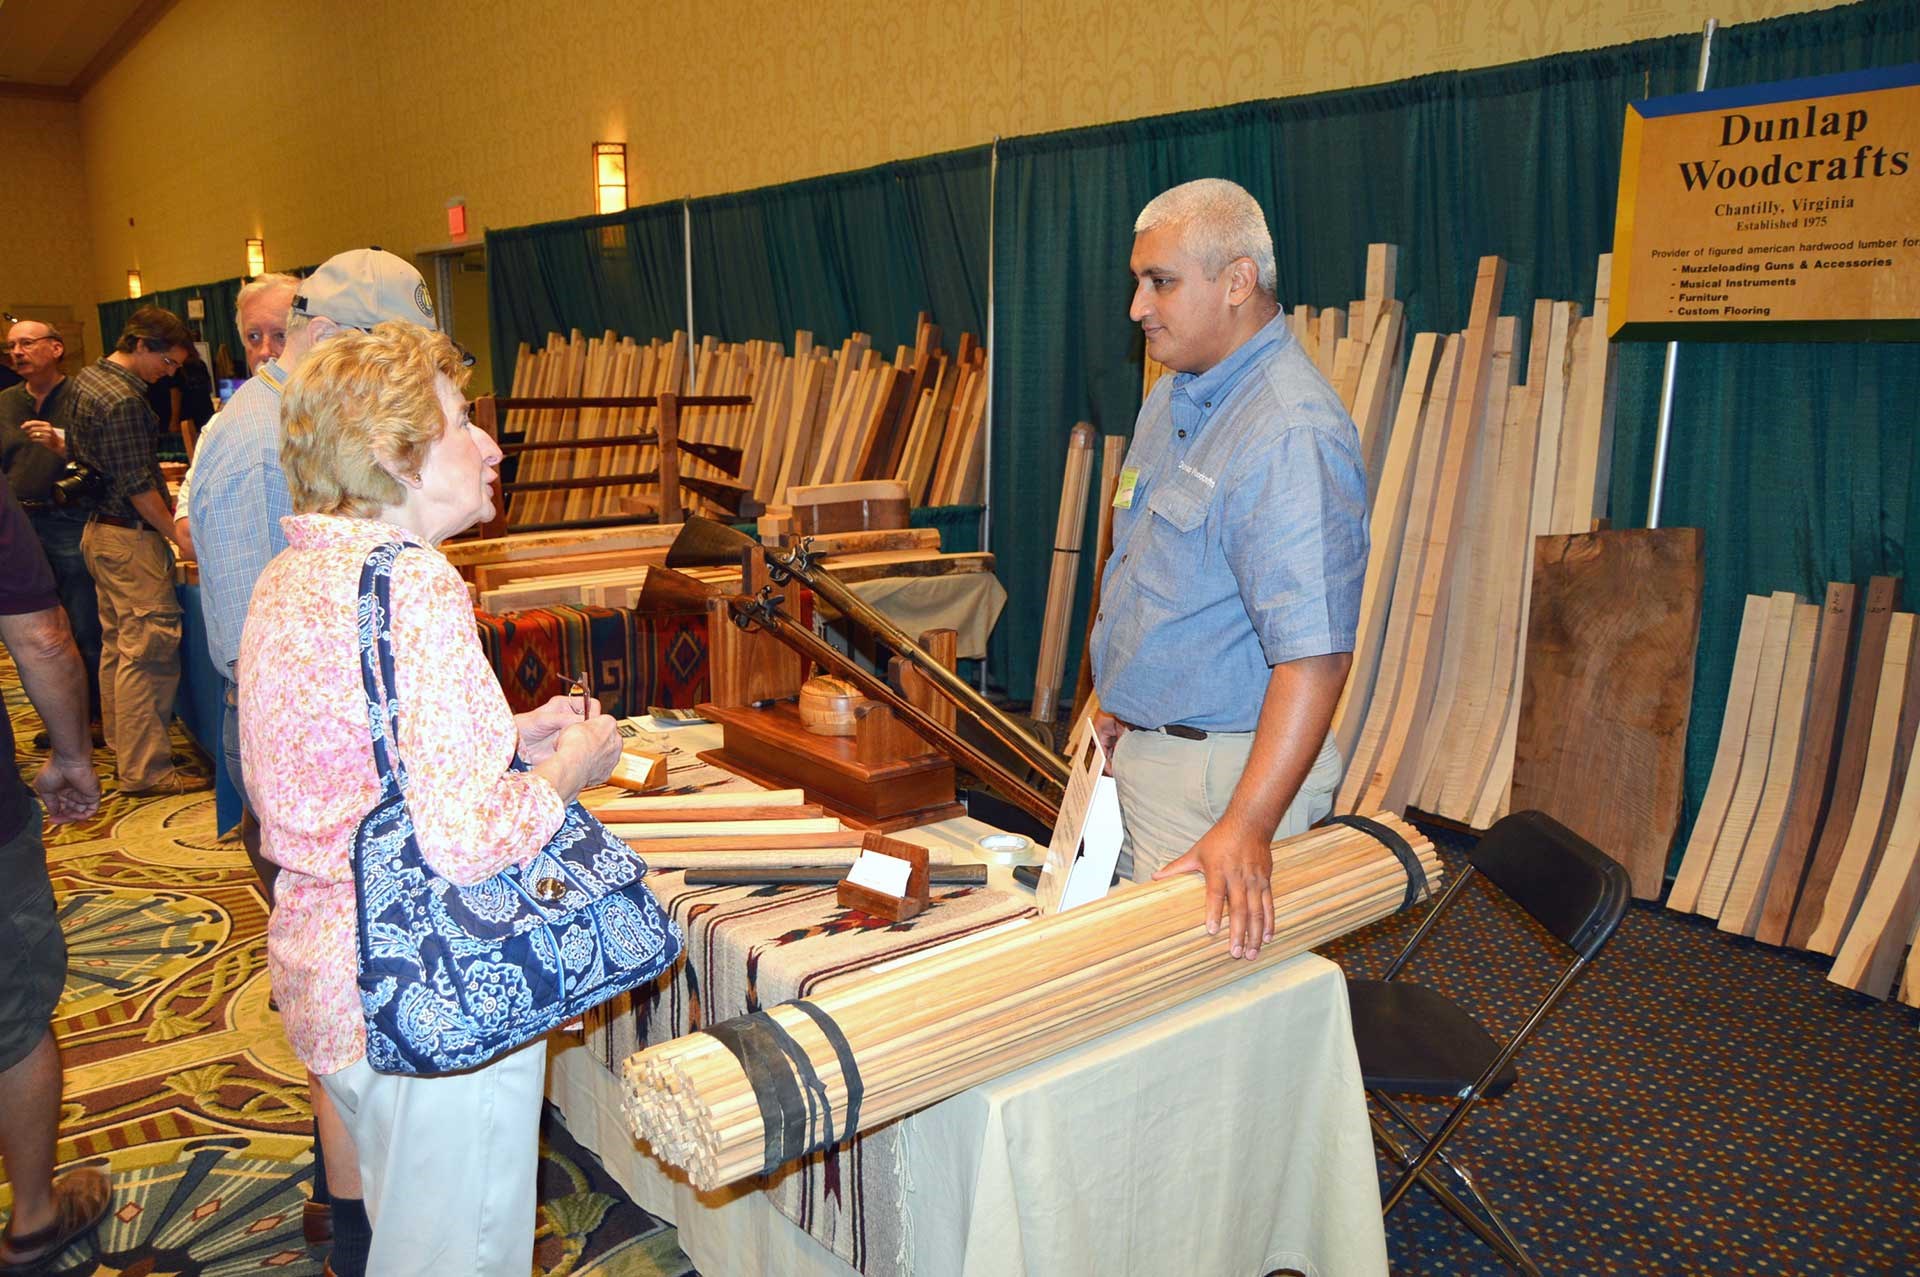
{"points": [[639, 771], [878, 904]]}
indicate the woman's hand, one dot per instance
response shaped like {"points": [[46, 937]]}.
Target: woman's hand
{"points": [[540, 728], [583, 756]]}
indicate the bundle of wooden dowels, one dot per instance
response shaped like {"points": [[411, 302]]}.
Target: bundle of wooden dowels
{"points": [[819, 415], [1809, 833], [925, 1030]]}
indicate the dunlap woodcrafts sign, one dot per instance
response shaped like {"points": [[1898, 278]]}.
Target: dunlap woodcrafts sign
{"points": [[1775, 212]]}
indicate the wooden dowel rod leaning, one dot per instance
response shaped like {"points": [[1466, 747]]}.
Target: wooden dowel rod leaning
{"points": [[919, 1032]]}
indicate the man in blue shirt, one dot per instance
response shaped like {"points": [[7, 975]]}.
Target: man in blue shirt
{"points": [[1230, 602]]}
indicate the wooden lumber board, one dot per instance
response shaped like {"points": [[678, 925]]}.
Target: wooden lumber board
{"points": [[1464, 653], [524, 546], [577, 503], [1487, 680], [615, 804], [1069, 528], [1482, 752], [1436, 411], [1869, 661], [1817, 751], [1603, 367], [1754, 756], [1113, 454], [1685, 895], [1373, 401], [1389, 782], [1609, 688], [1740, 912], [1548, 373], [1348, 356], [1868, 956], [1387, 529], [1863, 832], [492, 576], [1332, 326]]}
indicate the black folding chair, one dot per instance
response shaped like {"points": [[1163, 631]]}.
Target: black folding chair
{"points": [[1414, 1041]]}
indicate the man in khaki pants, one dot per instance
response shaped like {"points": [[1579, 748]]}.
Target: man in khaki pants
{"points": [[128, 546], [1229, 604]]}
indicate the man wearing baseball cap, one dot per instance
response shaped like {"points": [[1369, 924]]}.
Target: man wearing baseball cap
{"points": [[239, 496]]}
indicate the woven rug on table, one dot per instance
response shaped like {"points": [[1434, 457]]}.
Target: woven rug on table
{"points": [[750, 948], [635, 659]]}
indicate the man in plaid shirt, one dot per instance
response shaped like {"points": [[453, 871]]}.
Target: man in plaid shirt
{"points": [[128, 546]]}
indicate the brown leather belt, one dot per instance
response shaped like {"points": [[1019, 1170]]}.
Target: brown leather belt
{"points": [[1180, 730], [115, 521]]}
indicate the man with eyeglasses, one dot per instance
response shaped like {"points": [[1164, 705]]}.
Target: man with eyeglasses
{"points": [[128, 546], [239, 496], [33, 415]]}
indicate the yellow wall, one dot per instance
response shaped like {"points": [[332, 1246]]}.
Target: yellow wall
{"points": [[46, 249], [363, 118]]}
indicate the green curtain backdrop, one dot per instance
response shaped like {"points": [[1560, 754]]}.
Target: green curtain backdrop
{"points": [[625, 271], [1798, 460], [1518, 160], [864, 251]]}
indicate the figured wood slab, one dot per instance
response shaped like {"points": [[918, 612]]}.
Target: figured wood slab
{"points": [[1609, 687], [1815, 773], [1726, 758], [1754, 757], [1876, 782], [1862, 695], [1748, 888]]}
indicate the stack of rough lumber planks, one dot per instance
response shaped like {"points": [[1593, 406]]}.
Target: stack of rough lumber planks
{"points": [[818, 415], [914, 1034], [1809, 833], [1485, 452]]}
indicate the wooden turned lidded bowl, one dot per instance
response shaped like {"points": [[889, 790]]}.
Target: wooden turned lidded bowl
{"points": [[830, 706]]}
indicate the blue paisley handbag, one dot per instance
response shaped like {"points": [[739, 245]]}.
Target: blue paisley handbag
{"points": [[452, 977]]}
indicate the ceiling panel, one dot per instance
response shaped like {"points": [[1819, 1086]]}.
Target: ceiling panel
{"points": [[47, 43]]}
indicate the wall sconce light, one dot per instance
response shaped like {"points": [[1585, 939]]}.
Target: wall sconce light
{"points": [[133, 283], [256, 257], [610, 177]]}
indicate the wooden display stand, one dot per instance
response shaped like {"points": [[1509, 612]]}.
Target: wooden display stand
{"points": [[851, 895], [883, 777]]}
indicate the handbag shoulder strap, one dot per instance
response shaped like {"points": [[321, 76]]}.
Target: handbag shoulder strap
{"points": [[374, 625]]}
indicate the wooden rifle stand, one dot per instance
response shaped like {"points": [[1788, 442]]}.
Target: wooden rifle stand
{"points": [[883, 777]]}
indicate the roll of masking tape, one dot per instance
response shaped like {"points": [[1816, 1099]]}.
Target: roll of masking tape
{"points": [[1009, 849]]}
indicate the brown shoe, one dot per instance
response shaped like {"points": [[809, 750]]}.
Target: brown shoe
{"points": [[170, 784], [80, 1201], [316, 1222]]}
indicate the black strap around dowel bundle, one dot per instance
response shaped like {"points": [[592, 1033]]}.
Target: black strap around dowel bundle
{"points": [[794, 1109], [1400, 847]]}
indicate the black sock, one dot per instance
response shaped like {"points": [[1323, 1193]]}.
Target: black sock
{"points": [[320, 1193], [352, 1237]]}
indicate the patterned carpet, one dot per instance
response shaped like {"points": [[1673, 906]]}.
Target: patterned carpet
{"points": [[1698, 1104], [180, 1083]]}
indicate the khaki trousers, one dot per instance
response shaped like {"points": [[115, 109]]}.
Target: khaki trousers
{"points": [[1173, 790], [139, 647]]}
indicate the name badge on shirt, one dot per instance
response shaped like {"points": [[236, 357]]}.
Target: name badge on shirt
{"points": [[1123, 491]]}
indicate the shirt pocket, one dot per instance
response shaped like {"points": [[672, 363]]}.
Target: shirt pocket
{"points": [[1176, 546]]}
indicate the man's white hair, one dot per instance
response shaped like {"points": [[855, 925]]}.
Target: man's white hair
{"points": [[257, 285], [1219, 222]]}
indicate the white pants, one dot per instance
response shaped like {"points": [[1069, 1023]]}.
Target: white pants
{"points": [[448, 1164], [1173, 790]]}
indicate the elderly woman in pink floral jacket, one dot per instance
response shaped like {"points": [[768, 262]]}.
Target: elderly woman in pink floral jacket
{"points": [[377, 447]]}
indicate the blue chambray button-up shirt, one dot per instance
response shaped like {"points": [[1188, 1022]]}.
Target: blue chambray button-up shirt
{"points": [[239, 495], [1245, 545]]}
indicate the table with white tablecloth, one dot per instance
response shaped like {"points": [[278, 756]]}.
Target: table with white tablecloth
{"points": [[1225, 1136]]}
